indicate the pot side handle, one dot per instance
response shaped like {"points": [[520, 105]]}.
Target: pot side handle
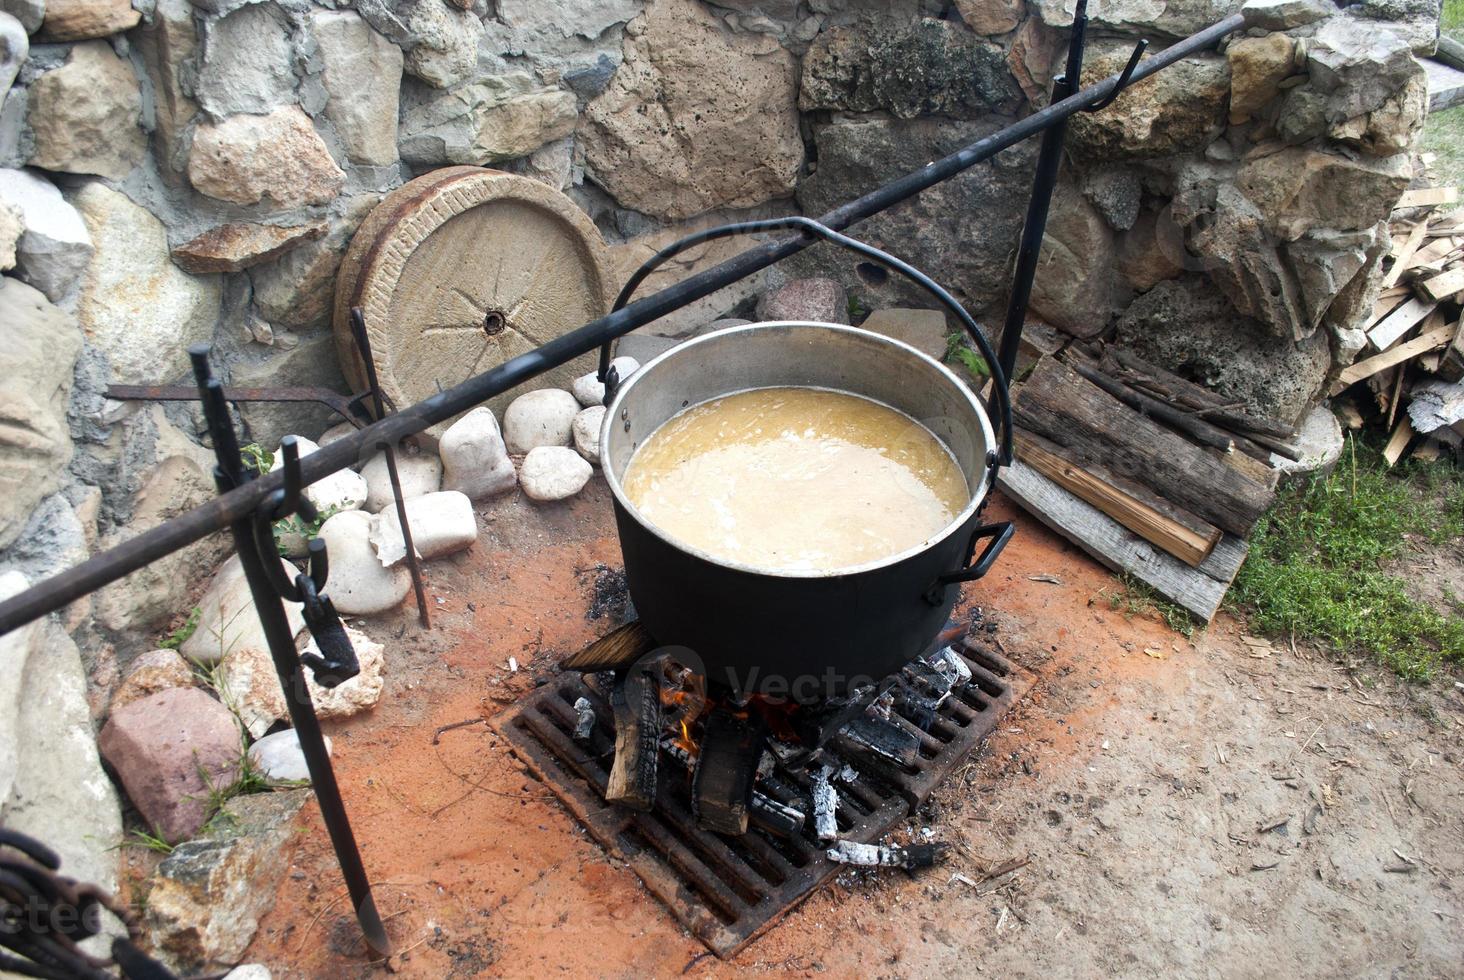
{"points": [[999, 533]]}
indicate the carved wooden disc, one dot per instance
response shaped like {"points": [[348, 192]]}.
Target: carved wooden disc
{"points": [[463, 269]]}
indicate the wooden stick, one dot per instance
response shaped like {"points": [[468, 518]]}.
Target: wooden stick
{"points": [[1402, 435], [1424, 342], [1427, 197], [1148, 522], [1405, 254], [1201, 431], [1205, 403], [1399, 322]]}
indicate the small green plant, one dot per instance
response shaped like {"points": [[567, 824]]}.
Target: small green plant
{"points": [[958, 353], [857, 308], [1137, 599], [256, 457], [250, 780], [1316, 564], [151, 842], [295, 524], [179, 636]]}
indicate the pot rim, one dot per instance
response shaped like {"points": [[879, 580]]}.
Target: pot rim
{"points": [[612, 479]]}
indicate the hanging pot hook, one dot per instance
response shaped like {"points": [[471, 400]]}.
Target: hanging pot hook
{"points": [[1123, 79]]}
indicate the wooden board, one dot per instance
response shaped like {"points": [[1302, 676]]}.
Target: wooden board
{"points": [[1405, 254], [1423, 197], [463, 269], [1197, 590], [1445, 85], [1443, 286], [1393, 326], [1159, 525], [1059, 405], [1451, 366], [1424, 342]]}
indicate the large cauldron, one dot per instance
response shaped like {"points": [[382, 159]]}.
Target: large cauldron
{"points": [[801, 635]]}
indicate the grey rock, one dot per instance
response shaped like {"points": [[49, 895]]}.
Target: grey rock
{"points": [[590, 80], [248, 62], [311, 362], [1115, 192], [42, 344], [362, 75], [963, 230], [137, 307], [1151, 251], [820, 300], [277, 158], [298, 290], [552, 473], [1187, 326], [1358, 65], [1319, 442], [168, 45], [444, 42], [1284, 15], [539, 418], [249, 971], [1179, 110], [474, 458], [1303, 115], [924, 330], [14, 47], [55, 246], [150, 673], [206, 900], [495, 119], [249, 683], [30, 13], [227, 618], [279, 758], [588, 389], [1076, 288], [1298, 189], [929, 68], [55, 788], [1139, 17]]}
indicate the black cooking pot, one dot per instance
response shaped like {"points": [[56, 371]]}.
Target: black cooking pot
{"points": [[799, 635]]}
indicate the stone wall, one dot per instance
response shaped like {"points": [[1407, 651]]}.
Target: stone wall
{"points": [[187, 170]]}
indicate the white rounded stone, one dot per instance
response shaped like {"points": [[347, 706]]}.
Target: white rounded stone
{"points": [[441, 524], [539, 418], [588, 390], [587, 432], [341, 491], [474, 458], [337, 431], [420, 474], [554, 473], [278, 757], [359, 584]]}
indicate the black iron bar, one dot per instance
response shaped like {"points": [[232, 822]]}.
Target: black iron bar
{"points": [[64, 588], [373, 388], [231, 476]]}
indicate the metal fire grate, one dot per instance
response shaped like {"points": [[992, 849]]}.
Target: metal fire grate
{"points": [[728, 890]]}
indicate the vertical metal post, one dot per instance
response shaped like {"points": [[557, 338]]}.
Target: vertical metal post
{"points": [[1049, 160], [363, 348], [270, 607]]}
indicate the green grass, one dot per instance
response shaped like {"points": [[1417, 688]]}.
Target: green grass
{"points": [[147, 841], [1451, 19], [179, 636], [1315, 569], [1139, 599], [1443, 134], [957, 353]]}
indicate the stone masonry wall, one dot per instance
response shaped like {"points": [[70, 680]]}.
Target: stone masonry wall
{"points": [[185, 170]]}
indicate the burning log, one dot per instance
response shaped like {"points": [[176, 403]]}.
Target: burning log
{"points": [[636, 703], [910, 857], [775, 817], [584, 719], [616, 650], [825, 806], [732, 746], [885, 739]]}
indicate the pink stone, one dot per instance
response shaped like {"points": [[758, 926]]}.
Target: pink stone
{"points": [[169, 749]]}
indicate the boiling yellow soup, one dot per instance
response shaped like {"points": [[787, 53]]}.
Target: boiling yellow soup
{"points": [[796, 479]]}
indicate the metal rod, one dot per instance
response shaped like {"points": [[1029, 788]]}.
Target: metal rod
{"points": [[1044, 183], [64, 588], [363, 347], [281, 639]]}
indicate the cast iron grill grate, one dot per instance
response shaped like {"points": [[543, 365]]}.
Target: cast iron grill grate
{"points": [[729, 890]]}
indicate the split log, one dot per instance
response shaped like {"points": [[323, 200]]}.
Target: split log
{"points": [[1075, 414], [1148, 515], [1442, 287], [1198, 590], [721, 790], [1436, 404], [1185, 393], [1430, 340], [1197, 429], [617, 649], [636, 703]]}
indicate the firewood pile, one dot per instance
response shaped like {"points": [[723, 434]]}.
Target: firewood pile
{"points": [[1411, 369]]}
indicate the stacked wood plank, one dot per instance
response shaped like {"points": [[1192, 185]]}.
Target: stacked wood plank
{"points": [[1153, 475], [1413, 364]]}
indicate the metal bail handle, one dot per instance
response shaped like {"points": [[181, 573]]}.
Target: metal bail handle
{"points": [[999, 533]]}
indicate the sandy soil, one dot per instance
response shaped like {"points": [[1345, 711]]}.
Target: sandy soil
{"points": [[1194, 809]]}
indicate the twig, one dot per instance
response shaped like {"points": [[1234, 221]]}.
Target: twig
{"points": [[437, 735]]}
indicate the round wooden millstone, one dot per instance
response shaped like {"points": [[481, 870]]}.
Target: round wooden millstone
{"points": [[463, 269]]}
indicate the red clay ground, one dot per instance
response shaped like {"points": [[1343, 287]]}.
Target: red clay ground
{"points": [[1185, 809]]}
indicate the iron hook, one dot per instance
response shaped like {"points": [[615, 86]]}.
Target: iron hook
{"points": [[1123, 79]]}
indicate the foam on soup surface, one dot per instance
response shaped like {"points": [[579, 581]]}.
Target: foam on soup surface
{"points": [[796, 479]]}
